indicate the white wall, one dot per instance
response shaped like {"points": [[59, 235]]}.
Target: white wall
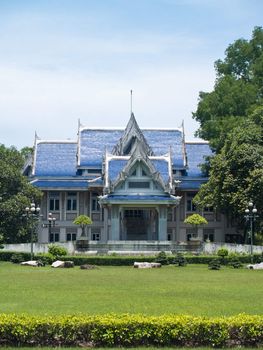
{"points": [[208, 248]]}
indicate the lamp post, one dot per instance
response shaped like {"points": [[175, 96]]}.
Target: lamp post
{"points": [[251, 215], [51, 223], [32, 213]]}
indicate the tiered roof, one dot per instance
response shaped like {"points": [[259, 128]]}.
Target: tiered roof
{"points": [[100, 155]]}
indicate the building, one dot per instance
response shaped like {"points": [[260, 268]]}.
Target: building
{"points": [[135, 184]]}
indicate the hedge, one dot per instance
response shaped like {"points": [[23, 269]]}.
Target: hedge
{"points": [[130, 330], [6, 255], [128, 260]]}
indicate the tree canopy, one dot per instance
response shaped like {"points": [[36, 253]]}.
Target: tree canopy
{"points": [[236, 173], [83, 221], [231, 118], [237, 92], [16, 193], [195, 220]]}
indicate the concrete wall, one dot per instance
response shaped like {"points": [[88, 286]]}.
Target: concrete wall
{"points": [[139, 247]]}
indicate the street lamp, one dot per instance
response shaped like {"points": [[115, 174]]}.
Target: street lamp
{"points": [[51, 223], [251, 215], [32, 213]]}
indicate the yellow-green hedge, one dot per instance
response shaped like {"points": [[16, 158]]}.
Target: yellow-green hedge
{"points": [[130, 330]]}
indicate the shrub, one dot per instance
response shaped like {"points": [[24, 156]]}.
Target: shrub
{"points": [[17, 258], [56, 250], [235, 263], [214, 264], [131, 330], [180, 260], [162, 258], [46, 258], [222, 252], [6, 255]]}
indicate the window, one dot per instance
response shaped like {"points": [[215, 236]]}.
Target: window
{"points": [[139, 184], [95, 234], [134, 173], [209, 209], [190, 206], [54, 236], [190, 233], [95, 202], [133, 213], [72, 201], [71, 237], [169, 234], [209, 235], [169, 214], [54, 201]]}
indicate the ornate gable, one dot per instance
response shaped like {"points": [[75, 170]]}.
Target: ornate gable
{"points": [[140, 158], [130, 138]]}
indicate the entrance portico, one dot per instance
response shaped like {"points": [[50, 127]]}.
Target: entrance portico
{"points": [[137, 217]]}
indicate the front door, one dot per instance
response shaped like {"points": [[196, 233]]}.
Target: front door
{"points": [[136, 224], [139, 224]]}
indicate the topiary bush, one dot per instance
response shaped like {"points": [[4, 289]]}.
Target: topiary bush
{"points": [[180, 260], [214, 264], [162, 258], [222, 252], [235, 263]]}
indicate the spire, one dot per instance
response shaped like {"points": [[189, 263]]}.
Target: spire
{"points": [[131, 103]]}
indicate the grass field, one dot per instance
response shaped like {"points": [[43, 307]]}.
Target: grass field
{"points": [[189, 290]]}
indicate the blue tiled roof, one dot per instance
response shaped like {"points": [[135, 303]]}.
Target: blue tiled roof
{"points": [[191, 184], [162, 167], [60, 183], [115, 167], [56, 159], [162, 140], [136, 197], [196, 153], [93, 143]]}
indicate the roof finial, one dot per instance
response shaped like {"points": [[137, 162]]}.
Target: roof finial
{"points": [[131, 103]]}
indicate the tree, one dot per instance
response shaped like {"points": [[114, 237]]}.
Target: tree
{"points": [[16, 193], [237, 92], [83, 221], [195, 220], [236, 173]]}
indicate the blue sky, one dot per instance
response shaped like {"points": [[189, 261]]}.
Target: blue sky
{"points": [[64, 60]]}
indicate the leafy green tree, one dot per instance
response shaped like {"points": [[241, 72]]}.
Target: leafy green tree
{"points": [[195, 220], [26, 152], [236, 173], [16, 193], [238, 90], [83, 221]]}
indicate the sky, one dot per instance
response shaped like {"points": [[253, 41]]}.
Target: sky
{"points": [[64, 61]]}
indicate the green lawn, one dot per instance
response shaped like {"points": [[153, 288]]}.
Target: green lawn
{"points": [[188, 290]]}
